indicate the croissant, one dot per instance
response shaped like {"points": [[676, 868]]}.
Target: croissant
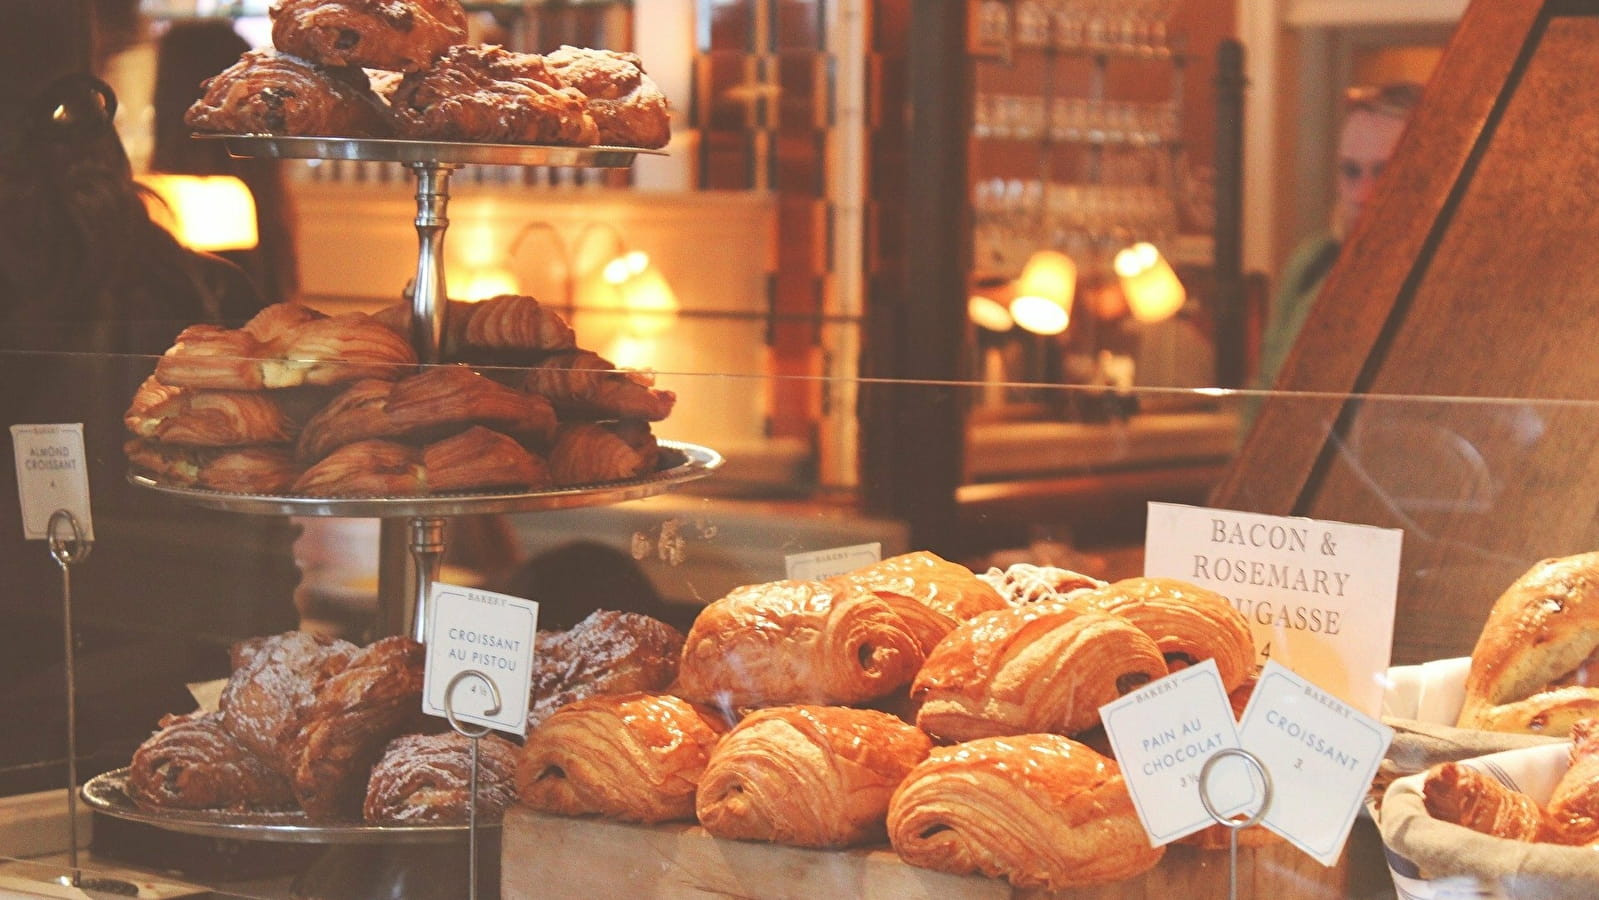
{"points": [[1460, 794], [586, 386], [1038, 810], [427, 779], [796, 642], [206, 418], [372, 468], [430, 404], [285, 345], [479, 459], [636, 757], [262, 469], [932, 594], [356, 713], [1189, 623], [210, 356], [402, 35], [591, 452], [270, 693], [193, 762], [810, 776], [1045, 667], [1573, 807], [517, 325], [1534, 661]]}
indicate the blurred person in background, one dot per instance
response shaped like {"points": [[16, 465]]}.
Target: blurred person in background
{"points": [[90, 290]]}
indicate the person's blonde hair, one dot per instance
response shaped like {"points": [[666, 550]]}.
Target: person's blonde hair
{"points": [[1396, 98]]}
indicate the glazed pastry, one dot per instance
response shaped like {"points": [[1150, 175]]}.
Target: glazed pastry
{"points": [[1573, 807], [609, 652], [586, 386], [1460, 794], [206, 418], [210, 356], [932, 594], [591, 452], [1038, 810], [273, 688], [193, 762], [479, 459], [1022, 583], [402, 35], [268, 92], [1534, 662], [513, 329], [425, 779], [487, 93], [810, 776], [238, 470], [790, 642], [635, 757], [374, 468], [357, 711], [1044, 667], [438, 401], [1189, 623], [627, 106]]}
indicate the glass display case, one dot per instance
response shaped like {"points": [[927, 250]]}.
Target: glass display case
{"points": [[181, 572]]}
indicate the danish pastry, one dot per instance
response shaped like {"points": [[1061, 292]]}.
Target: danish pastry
{"points": [[174, 415], [1022, 583], [1533, 667], [487, 93], [401, 35], [635, 757], [280, 348], [270, 693], [1039, 810], [1045, 667], [263, 469], [510, 329], [193, 762], [810, 776], [609, 652], [628, 108], [791, 642], [932, 594], [357, 711], [427, 779], [477, 459], [268, 92]]}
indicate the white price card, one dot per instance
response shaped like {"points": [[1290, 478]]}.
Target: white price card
{"points": [[52, 474], [1162, 734], [1321, 755], [490, 635], [1319, 596], [827, 563]]}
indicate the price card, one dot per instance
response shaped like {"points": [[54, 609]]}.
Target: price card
{"points": [[827, 563], [1162, 734], [52, 474], [486, 633], [1319, 596], [1321, 754]]}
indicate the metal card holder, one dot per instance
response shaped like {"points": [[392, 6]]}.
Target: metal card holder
{"points": [[1233, 825], [474, 733]]}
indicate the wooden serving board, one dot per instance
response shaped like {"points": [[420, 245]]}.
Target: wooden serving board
{"points": [[550, 857]]}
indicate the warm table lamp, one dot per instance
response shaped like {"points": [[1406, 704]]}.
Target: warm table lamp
{"points": [[1151, 287], [204, 212], [1043, 300]]}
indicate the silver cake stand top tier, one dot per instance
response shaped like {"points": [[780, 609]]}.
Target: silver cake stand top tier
{"points": [[271, 146]]}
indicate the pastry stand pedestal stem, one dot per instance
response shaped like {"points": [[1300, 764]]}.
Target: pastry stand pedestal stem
{"points": [[428, 296], [410, 557]]}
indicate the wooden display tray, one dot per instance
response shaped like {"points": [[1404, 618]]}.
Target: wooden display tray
{"points": [[551, 857]]}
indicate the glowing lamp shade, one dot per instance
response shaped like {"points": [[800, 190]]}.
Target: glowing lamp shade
{"points": [[1044, 292], [205, 212], [986, 312], [1151, 287]]}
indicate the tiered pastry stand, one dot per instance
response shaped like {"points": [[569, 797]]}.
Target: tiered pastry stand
{"points": [[372, 861]]}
